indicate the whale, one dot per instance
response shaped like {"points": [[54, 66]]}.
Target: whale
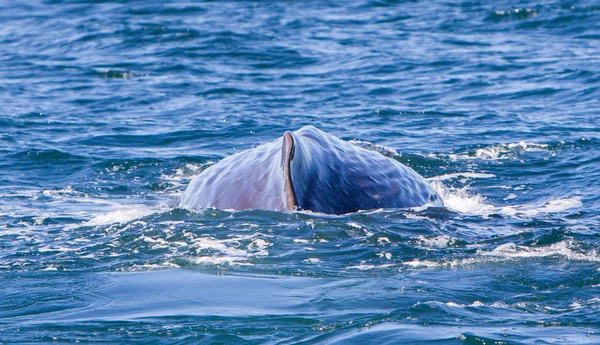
{"points": [[308, 170]]}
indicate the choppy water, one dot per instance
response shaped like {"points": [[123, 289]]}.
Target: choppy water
{"points": [[108, 109]]}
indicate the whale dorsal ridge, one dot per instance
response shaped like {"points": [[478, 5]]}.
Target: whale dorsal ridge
{"points": [[287, 154]]}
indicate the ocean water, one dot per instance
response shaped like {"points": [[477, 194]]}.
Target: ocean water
{"points": [[109, 108]]}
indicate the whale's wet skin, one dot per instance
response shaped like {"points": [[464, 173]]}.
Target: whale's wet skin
{"points": [[309, 170]]}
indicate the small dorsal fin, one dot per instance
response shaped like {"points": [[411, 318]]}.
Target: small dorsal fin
{"points": [[287, 154]]}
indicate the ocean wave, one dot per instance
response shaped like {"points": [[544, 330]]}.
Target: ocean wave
{"points": [[565, 250]]}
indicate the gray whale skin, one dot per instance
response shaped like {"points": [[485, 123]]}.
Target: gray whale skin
{"points": [[308, 170]]}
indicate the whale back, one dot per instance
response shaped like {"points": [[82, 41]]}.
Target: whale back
{"points": [[308, 170], [333, 176], [251, 179]]}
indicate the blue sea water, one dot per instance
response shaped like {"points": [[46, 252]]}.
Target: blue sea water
{"points": [[109, 108]]}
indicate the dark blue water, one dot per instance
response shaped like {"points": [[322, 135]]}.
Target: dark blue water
{"points": [[108, 109]]}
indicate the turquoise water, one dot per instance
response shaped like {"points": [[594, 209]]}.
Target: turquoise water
{"points": [[108, 109]]}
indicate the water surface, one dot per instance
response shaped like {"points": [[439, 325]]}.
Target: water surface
{"points": [[108, 109]]}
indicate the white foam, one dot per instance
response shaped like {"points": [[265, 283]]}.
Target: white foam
{"points": [[562, 249], [386, 255], [530, 147], [157, 243], [220, 260], [460, 305], [552, 206], [360, 227], [461, 200], [39, 220], [259, 247], [226, 251], [417, 263], [437, 241], [496, 152], [150, 267], [69, 202], [68, 190], [510, 251], [355, 225], [128, 214], [180, 178], [365, 267], [460, 174], [204, 243], [52, 248], [383, 240]]}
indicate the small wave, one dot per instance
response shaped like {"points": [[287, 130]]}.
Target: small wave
{"points": [[510, 251], [73, 202], [436, 241], [562, 249], [552, 206], [126, 215], [496, 152], [180, 177], [446, 177], [365, 267], [237, 250], [66, 192], [149, 267], [462, 200]]}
